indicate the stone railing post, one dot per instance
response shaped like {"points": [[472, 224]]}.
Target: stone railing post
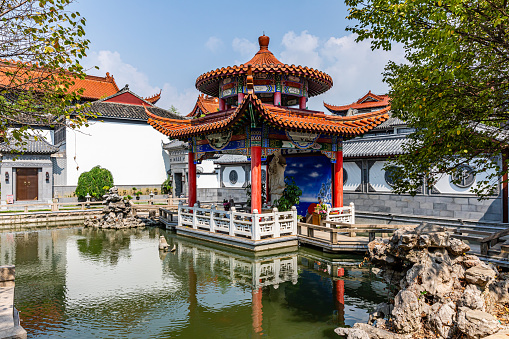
{"points": [[352, 212], [179, 217], [276, 230], [255, 226], [212, 221], [195, 221], [232, 224], [295, 220]]}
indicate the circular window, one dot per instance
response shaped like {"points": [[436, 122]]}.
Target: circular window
{"points": [[390, 175], [463, 177], [233, 176], [264, 176], [345, 176]]}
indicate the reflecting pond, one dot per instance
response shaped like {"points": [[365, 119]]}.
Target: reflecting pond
{"points": [[84, 283]]}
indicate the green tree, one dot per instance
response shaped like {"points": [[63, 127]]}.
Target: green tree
{"points": [[454, 87], [95, 182], [42, 43]]}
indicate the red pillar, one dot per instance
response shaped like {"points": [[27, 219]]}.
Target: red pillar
{"points": [[240, 97], [192, 179], [302, 103], [339, 296], [222, 104], [337, 194], [256, 178], [277, 98], [257, 314]]}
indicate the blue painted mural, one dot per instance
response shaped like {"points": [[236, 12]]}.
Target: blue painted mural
{"points": [[313, 176]]}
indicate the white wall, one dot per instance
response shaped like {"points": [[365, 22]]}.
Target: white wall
{"points": [[354, 176], [207, 180], [377, 177], [241, 176], [131, 151], [444, 184]]}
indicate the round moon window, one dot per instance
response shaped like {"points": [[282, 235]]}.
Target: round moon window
{"points": [[233, 176], [464, 176]]}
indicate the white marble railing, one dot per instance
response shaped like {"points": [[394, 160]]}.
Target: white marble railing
{"points": [[343, 214], [249, 225]]}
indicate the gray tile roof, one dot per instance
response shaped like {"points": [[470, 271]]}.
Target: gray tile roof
{"points": [[374, 146], [390, 123], [34, 119], [231, 159], [175, 144], [126, 111], [30, 146]]}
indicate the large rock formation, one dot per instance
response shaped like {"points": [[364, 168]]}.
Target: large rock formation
{"points": [[441, 292], [116, 214]]}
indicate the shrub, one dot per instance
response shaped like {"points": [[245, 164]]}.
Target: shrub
{"points": [[166, 186], [291, 196], [95, 182]]}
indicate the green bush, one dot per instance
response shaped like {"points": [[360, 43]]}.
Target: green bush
{"points": [[95, 182], [291, 196], [166, 186]]}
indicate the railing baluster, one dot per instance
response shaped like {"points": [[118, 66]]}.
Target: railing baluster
{"points": [[276, 229], [232, 224], [255, 226]]}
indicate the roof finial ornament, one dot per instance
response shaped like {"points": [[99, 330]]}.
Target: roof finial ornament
{"points": [[126, 87], [264, 42], [249, 80]]}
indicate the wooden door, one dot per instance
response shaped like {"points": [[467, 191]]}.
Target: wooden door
{"points": [[27, 184]]}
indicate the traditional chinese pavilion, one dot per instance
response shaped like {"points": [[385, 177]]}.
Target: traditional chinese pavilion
{"points": [[262, 109]]}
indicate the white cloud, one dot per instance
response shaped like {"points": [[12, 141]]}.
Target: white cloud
{"points": [[214, 44], [354, 67], [244, 47], [314, 174], [301, 49], [124, 73], [291, 172], [318, 165]]}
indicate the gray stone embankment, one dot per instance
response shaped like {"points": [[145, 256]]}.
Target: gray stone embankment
{"points": [[116, 214], [440, 291], [10, 327]]}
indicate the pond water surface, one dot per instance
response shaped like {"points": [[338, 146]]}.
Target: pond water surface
{"points": [[83, 283]]}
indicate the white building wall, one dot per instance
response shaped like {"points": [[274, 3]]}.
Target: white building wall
{"points": [[131, 151], [445, 185], [377, 177], [354, 176], [207, 180]]}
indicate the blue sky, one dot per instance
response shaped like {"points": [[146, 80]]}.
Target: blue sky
{"points": [[166, 45]]}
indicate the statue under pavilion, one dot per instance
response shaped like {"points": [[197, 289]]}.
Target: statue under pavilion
{"points": [[262, 110]]}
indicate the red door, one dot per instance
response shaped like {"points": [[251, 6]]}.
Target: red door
{"points": [[27, 184]]}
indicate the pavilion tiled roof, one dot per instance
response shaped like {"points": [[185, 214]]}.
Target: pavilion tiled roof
{"points": [[265, 62], [205, 104], [105, 108], [94, 87], [281, 117], [153, 99], [370, 100]]}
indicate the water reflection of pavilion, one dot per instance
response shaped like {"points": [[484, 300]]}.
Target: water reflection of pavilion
{"points": [[240, 268]]}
